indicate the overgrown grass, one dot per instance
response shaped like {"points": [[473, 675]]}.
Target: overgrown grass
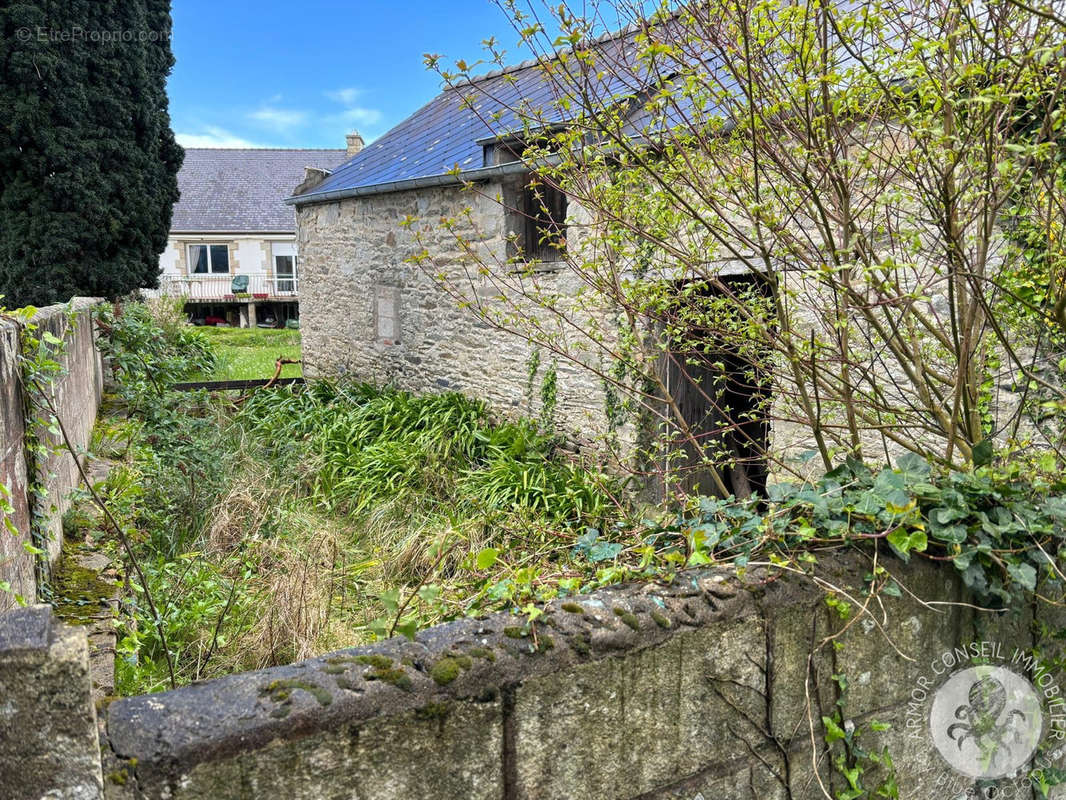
{"points": [[294, 522], [313, 517], [250, 353]]}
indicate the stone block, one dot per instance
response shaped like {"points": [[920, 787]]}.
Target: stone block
{"points": [[622, 726], [451, 751], [49, 747]]}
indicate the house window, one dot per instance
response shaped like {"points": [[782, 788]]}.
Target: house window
{"points": [[536, 220], [206, 259], [285, 273]]}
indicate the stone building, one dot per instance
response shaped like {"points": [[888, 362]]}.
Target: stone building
{"points": [[370, 313], [232, 244], [446, 196]]}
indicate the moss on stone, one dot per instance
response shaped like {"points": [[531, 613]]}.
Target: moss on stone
{"points": [[337, 660], [513, 632], [661, 619], [119, 777], [545, 642], [78, 593], [344, 682], [482, 652], [580, 645], [434, 711], [375, 660], [447, 669], [628, 617], [394, 675], [281, 690], [572, 608], [74, 522]]}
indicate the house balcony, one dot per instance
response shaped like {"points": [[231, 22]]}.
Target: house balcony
{"points": [[230, 288]]}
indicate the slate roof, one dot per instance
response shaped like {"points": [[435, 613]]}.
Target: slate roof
{"points": [[450, 130], [243, 190]]}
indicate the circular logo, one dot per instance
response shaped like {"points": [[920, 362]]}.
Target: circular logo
{"points": [[986, 721]]}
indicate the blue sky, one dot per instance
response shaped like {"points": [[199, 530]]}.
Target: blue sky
{"points": [[284, 74]]}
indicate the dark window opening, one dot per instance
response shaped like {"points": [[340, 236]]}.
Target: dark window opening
{"points": [[719, 384], [535, 213], [206, 259], [545, 238]]}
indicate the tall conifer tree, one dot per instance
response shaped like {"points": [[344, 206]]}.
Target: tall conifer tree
{"points": [[88, 162]]}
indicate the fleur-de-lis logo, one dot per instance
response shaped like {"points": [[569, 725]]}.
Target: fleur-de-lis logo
{"points": [[986, 721]]}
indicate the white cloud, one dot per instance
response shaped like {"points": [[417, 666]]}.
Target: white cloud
{"points": [[364, 116], [213, 136], [353, 114], [279, 119], [346, 97]]}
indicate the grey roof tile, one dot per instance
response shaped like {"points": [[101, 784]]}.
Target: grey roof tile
{"points": [[446, 132], [243, 189]]}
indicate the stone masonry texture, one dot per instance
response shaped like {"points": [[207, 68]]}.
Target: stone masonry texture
{"points": [[48, 737], [709, 686], [77, 395], [368, 313]]}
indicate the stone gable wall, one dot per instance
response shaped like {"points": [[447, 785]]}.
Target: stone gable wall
{"points": [[366, 312]]}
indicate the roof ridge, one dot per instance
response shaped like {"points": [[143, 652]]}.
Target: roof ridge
{"points": [[607, 36], [278, 149]]}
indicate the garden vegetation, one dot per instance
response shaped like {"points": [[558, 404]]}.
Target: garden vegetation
{"points": [[302, 519]]}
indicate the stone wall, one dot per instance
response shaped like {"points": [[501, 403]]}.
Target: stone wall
{"points": [[77, 396], [368, 313], [49, 745], [706, 688]]}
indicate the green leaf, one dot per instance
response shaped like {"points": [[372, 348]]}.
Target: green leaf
{"points": [[833, 732], [982, 453], [1025, 574], [903, 542], [408, 628], [429, 593], [913, 465], [487, 557], [390, 600]]}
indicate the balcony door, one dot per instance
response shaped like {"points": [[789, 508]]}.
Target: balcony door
{"points": [[286, 271]]}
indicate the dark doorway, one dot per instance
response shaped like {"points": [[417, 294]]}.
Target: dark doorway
{"points": [[715, 372]]}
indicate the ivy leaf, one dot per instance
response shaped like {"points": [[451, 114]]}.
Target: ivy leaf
{"points": [[903, 542], [891, 588], [604, 551], [913, 465], [1025, 574], [833, 732], [982, 453]]}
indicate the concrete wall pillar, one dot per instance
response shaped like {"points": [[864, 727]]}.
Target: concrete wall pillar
{"points": [[49, 744]]}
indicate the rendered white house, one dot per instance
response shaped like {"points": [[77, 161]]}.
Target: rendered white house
{"points": [[232, 245]]}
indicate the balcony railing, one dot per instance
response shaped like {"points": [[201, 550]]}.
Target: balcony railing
{"points": [[219, 288]]}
